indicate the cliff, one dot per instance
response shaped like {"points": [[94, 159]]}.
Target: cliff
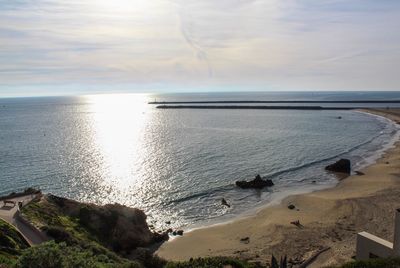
{"points": [[114, 226]]}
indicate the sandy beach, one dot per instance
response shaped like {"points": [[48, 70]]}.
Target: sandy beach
{"points": [[330, 218]]}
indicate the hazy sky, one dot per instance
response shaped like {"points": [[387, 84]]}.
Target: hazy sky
{"points": [[68, 46]]}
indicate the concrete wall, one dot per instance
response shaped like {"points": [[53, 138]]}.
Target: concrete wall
{"points": [[369, 245]]}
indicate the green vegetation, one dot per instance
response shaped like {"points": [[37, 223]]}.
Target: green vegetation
{"points": [[116, 227], [374, 263], [48, 218], [86, 232], [59, 255], [11, 243], [15, 252], [213, 262]]}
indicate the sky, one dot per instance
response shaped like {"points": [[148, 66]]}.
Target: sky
{"points": [[64, 47]]}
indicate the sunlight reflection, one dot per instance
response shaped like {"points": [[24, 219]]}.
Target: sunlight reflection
{"points": [[118, 123]]}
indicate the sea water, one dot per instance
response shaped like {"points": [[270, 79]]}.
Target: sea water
{"points": [[177, 165]]}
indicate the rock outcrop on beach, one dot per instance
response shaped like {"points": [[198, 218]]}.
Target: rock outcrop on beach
{"points": [[257, 183], [343, 166]]}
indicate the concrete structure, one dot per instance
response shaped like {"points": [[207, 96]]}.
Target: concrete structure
{"points": [[370, 246], [9, 212]]}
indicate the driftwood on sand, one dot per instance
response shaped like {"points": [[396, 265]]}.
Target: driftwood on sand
{"points": [[313, 257]]}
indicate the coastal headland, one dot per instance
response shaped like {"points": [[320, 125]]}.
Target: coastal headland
{"points": [[328, 219]]}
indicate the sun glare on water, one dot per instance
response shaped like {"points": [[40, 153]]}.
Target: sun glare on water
{"points": [[118, 127]]}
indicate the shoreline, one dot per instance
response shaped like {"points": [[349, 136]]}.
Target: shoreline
{"points": [[270, 231], [277, 197]]}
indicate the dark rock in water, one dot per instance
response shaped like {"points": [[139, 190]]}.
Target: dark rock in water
{"points": [[359, 173], [179, 232], [343, 166], [257, 183], [161, 237], [169, 231], [225, 203], [291, 206], [168, 222], [339, 117]]}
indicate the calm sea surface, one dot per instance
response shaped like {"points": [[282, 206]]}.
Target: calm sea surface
{"points": [[178, 164]]}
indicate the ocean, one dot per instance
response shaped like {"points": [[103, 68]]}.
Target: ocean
{"points": [[177, 165]]}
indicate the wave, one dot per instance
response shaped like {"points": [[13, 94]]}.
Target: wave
{"points": [[209, 192], [229, 187]]}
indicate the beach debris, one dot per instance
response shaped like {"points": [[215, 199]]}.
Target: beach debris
{"points": [[245, 240], [291, 206], [359, 173], [168, 222], [225, 203], [314, 182], [282, 262], [313, 257], [297, 223], [342, 166], [387, 163], [257, 183], [296, 261]]}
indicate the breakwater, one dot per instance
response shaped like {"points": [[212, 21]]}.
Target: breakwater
{"points": [[250, 107], [273, 102]]}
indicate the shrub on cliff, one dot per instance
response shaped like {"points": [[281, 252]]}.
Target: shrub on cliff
{"points": [[115, 226], [11, 244], [97, 230], [59, 255], [213, 262]]}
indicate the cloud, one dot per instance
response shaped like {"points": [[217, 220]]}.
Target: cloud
{"points": [[294, 44]]}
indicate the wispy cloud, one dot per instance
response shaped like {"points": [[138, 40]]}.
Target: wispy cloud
{"points": [[295, 44]]}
